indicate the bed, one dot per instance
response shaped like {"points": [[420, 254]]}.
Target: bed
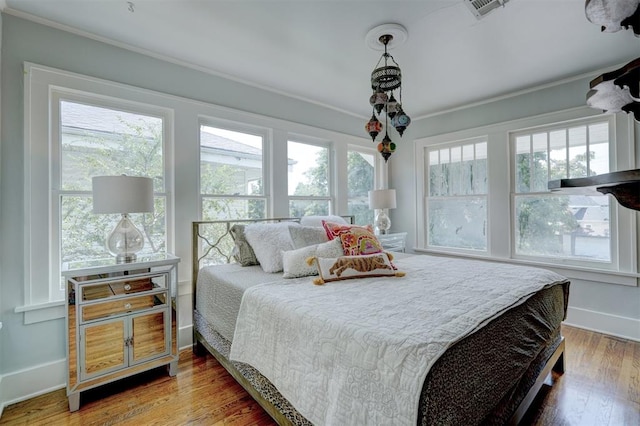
{"points": [[323, 360]]}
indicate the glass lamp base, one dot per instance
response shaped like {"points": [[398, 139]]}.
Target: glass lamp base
{"points": [[125, 241], [383, 223]]}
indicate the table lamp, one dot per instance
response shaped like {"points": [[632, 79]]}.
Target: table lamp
{"points": [[381, 199], [124, 195]]}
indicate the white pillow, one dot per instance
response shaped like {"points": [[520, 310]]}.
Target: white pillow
{"points": [[317, 220], [295, 261], [268, 240], [303, 236]]}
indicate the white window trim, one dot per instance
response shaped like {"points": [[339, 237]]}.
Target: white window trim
{"points": [[43, 89], [622, 156]]}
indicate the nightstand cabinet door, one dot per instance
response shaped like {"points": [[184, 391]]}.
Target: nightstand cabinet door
{"points": [[149, 336], [103, 348]]}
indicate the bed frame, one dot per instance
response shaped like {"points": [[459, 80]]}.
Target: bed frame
{"points": [[212, 244]]}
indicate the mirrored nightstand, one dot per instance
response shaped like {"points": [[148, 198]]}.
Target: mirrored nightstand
{"points": [[122, 320], [393, 242]]}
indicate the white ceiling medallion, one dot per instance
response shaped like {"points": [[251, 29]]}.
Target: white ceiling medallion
{"points": [[397, 31]]}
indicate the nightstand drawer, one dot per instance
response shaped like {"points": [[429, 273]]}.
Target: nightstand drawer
{"points": [[122, 306], [135, 286], [121, 286]]}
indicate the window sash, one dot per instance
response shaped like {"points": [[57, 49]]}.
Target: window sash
{"points": [[541, 142], [301, 205], [358, 204], [238, 132], [449, 179]]}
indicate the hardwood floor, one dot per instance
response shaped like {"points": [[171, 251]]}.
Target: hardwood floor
{"points": [[601, 386]]}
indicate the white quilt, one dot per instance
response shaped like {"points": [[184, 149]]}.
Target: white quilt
{"points": [[357, 352]]}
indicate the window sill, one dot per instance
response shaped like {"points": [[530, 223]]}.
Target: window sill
{"points": [[570, 271], [42, 312]]}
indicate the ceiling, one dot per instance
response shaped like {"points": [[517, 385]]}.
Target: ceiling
{"points": [[315, 49]]}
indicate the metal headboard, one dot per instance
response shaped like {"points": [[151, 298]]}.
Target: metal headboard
{"points": [[212, 243]]}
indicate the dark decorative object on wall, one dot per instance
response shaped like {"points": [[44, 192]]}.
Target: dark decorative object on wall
{"points": [[623, 185], [614, 15], [617, 90]]}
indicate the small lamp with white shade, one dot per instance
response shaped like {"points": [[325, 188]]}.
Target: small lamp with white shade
{"points": [[124, 195], [382, 199]]}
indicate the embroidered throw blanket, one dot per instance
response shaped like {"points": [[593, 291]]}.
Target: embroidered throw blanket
{"points": [[357, 352]]}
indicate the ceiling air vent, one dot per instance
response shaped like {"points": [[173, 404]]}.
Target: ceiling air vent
{"points": [[482, 7]]}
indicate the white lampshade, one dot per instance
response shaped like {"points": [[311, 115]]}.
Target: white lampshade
{"points": [[122, 194], [382, 199]]}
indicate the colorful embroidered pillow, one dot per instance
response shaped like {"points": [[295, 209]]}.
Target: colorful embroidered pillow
{"points": [[356, 240], [348, 267]]}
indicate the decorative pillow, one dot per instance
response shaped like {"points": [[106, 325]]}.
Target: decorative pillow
{"points": [[348, 267], [268, 240], [356, 240], [294, 261], [303, 236], [317, 220], [242, 251]]}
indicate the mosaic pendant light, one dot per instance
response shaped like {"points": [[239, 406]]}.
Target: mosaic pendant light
{"points": [[385, 79]]}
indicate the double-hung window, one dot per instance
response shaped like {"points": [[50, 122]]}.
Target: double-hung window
{"points": [[360, 180], [309, 178], [75, 129], [99, 140], [456, 202], [232, 183], [552, 225]]}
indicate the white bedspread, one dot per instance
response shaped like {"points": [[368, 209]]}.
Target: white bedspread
{"points": [[357, 352]]}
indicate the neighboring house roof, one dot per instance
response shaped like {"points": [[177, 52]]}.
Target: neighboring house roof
{"points": [[225, 145], [90, 118], [93, 118], [578, 201], [595, 214]]}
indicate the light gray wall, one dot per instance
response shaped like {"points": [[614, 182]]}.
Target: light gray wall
{"points": [[600, 298], [23, 346], [1, 324]]}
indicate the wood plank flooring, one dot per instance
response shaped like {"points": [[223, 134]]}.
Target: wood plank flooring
{"points": [[601, 386]]}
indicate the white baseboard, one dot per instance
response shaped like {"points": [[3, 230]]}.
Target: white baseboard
{"points": [[185, 337], [29, 383], [627, 328]]}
